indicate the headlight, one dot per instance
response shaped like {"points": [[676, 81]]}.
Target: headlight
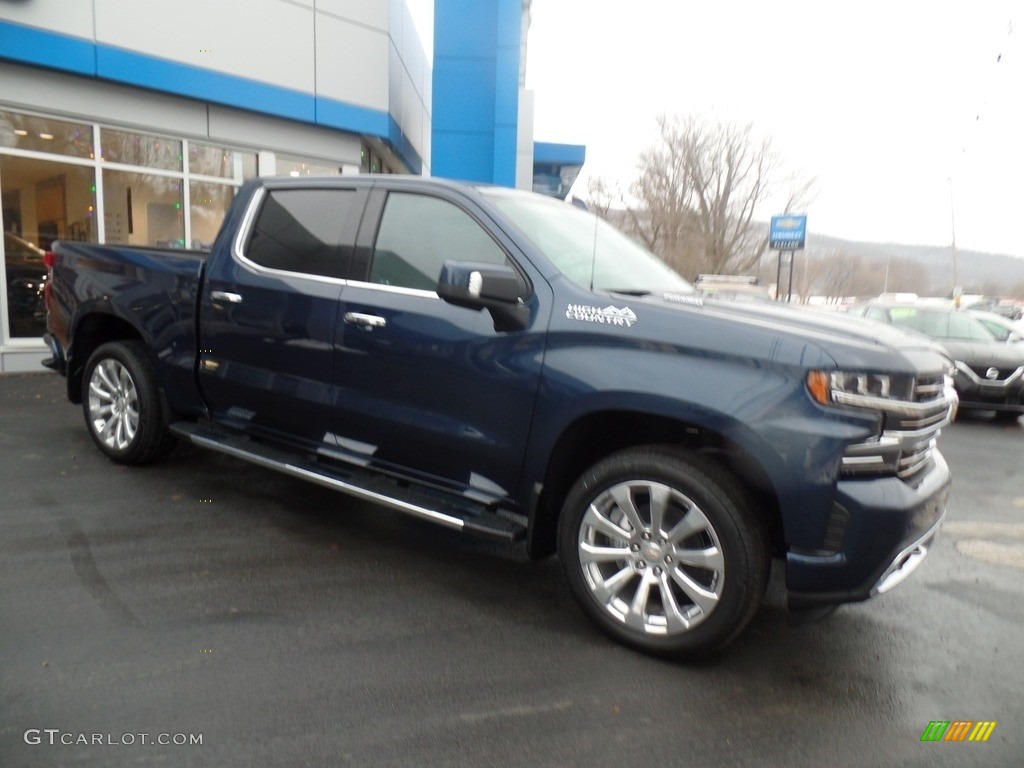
{"points": [[856, 388]]}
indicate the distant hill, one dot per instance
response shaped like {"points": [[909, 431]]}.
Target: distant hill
{"points": [[923, 269]]}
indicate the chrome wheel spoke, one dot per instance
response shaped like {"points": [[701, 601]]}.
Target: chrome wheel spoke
{"points": [[661, 496], [675, 619], [594, 554], [623, 496], [637, 616], [710, 558], [608, 589], [107, 373], [107, 429], [96, 389], [702, 597], [693, 522], [595, 520]]}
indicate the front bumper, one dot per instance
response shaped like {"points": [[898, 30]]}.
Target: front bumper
{"points": [[883, 530]]}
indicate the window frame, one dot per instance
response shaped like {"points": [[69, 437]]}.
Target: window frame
{"points": [[349, 231], [373, 218]]}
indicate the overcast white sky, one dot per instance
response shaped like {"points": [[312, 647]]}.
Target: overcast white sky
{"points": [[883, 102]]}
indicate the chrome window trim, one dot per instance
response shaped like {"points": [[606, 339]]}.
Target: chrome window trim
{"points": [[401, 290]]}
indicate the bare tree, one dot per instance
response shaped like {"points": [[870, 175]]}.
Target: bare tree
{"points": [[696, 193], [729, 176], [662, 210], [602, 196]]}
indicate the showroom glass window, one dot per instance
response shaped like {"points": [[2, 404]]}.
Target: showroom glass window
{"points": [[47, 192], [215, 174], [142, 208]]}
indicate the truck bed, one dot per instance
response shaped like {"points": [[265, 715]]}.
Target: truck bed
{"points": [[152, 290]]}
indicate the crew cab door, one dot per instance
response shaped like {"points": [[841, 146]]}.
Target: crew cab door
{"points": [[269, 309], [425, 388]]}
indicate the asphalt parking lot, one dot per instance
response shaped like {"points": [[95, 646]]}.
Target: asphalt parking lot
{"points": [[285, 625]]}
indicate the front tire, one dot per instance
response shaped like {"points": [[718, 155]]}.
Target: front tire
{"points": [[121, 402], [663, 551]]}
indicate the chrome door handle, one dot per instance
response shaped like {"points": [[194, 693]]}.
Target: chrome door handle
{"points": [[366, 321], [230, 298]]}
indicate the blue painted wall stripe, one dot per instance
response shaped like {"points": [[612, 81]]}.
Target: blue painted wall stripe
{"points": [[564, 154], [185, 80], [48, 49]]}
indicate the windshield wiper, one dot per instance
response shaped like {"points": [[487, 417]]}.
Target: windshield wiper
{"points": [[629, 291]]}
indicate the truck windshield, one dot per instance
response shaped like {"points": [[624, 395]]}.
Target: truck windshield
{"points": [[585, 248]]}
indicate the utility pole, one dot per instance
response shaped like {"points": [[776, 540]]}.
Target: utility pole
{"points": [[957, 291]]}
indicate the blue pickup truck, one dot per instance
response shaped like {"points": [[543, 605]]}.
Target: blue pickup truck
{"points": [[496, 361]]}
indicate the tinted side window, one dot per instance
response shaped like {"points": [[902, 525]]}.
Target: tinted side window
{"points": [[418, 234], [305, 230]]}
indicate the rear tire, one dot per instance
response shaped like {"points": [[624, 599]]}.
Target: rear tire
{"points": [[663, 550], [122, 405]]}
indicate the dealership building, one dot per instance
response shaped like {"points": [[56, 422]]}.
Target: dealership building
{"points": [[129, 121]]}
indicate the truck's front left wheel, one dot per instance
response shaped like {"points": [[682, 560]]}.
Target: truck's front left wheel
{"points": [[663, 550], [122, 405]]}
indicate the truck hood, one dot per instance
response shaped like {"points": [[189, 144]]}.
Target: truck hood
{"points": [[852, 343]]}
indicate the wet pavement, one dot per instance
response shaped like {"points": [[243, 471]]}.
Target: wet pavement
{"points": [[285, 625]]}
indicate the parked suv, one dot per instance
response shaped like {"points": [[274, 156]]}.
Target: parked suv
{"points": [[989, 369]]}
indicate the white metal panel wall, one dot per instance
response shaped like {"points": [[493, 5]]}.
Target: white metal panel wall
{"points": [[351, 62], [266, 40], [231, 126], [369, 13], [72, 17], [410, 74], [44, 91]]}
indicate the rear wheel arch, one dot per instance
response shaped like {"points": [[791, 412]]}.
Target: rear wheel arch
{"points": [[90, 333]]}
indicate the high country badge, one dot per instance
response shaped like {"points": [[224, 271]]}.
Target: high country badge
{"points": [[607, 316]]}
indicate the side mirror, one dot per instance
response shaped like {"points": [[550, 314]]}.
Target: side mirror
{"points": [[498, 288]]}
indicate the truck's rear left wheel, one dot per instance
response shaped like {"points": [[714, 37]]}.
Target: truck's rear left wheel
{"points": [[122, 404], [663, 551]]}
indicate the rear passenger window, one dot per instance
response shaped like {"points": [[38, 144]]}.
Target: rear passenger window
{"points": [[305, 230], [419, 233]]}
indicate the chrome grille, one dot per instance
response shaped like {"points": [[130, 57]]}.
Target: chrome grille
{"points": [[917, 434], [928, 387], [909, 433]]}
